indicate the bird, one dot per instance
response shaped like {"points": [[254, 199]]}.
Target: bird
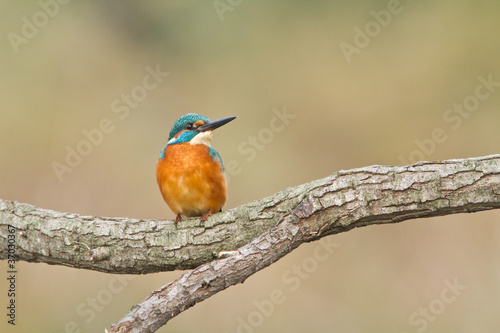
{"points": [[189, 172]]}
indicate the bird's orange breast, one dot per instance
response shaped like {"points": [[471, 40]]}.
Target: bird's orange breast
{"points": [[190, 180]]}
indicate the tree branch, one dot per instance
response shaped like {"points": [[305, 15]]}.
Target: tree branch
{"points": [[340, 202], [124, 245]]}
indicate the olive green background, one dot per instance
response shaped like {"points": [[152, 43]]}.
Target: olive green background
{"points": [[385, 103]]}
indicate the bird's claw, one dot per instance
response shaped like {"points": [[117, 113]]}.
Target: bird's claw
{"points": [[178, 218], [205, 216]]}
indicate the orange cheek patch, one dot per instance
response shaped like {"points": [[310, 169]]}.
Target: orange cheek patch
{"points": [[178, 134], [199, 123]]}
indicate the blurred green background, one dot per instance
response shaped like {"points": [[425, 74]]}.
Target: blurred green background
{"points": [[67, 66]]}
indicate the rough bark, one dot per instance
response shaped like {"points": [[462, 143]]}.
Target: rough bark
{"points": [[340, 202], [124, 245]]}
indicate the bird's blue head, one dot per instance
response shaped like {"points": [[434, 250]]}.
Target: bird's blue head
{"points": [[187, 123], [192, 125], [195, 129]]}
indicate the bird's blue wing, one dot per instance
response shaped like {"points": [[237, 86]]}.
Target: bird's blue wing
{"points": [[216, 156]]}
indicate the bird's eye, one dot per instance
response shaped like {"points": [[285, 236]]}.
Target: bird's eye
{"points": [[189, 126]]}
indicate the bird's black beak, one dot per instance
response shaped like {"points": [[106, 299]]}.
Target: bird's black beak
{"points": [[211, 125]]}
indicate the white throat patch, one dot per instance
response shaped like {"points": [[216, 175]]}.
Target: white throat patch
{"points": [[202, 138]]}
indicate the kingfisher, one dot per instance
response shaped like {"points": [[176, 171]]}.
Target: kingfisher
{"points": [[189, 172]]}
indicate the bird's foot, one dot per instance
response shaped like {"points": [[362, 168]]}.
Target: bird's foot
{"points": [[178, 218], [206, 215]]}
